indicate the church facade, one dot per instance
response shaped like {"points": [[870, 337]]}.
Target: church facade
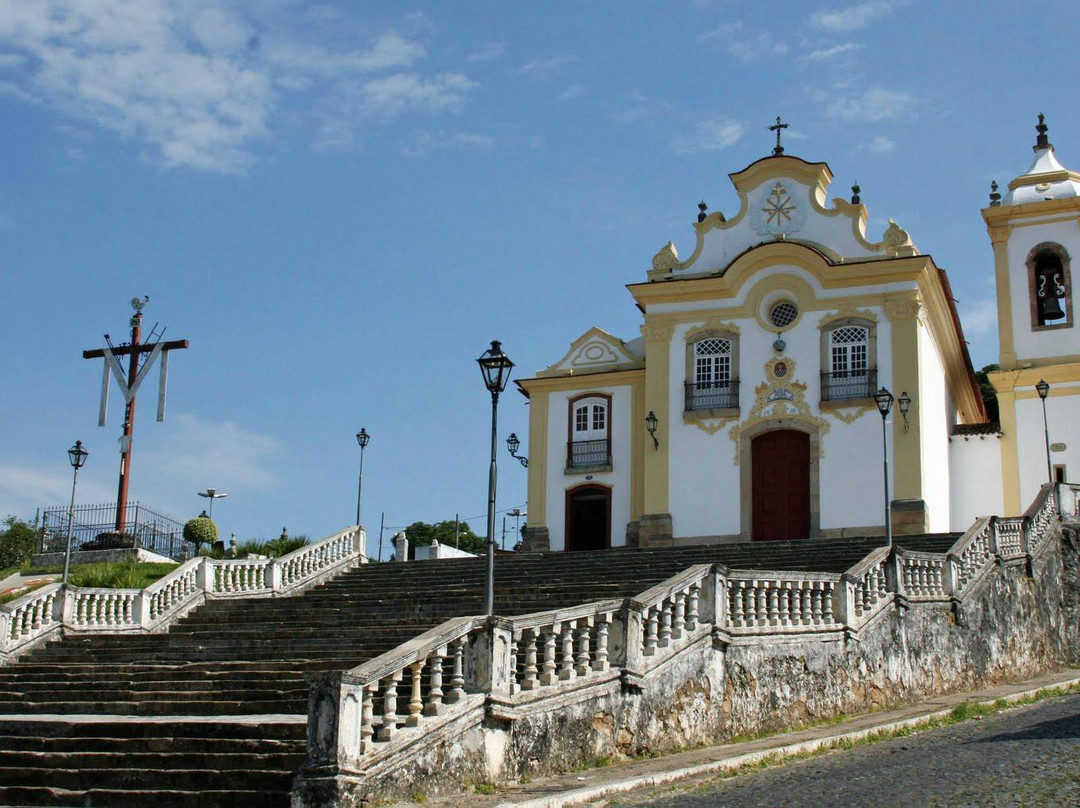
{"points": [[746, 408]]}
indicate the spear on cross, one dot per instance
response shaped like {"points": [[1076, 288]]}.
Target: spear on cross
{"points": [[141, 357]]}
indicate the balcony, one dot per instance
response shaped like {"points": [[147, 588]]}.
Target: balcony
{"points": [[848, 384], [588, 454], [712, 395]]}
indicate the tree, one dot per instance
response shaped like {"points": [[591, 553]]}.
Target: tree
{"points": [[18, 541], [422, 533], [989, 395], [200, 530]]}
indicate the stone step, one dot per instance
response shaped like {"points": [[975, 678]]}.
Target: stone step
{"points": [[260, 728], [178, 779], [175, 758], [154, 708], [17, 796]]}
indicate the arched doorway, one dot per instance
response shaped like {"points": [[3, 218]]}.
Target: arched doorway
{"points": [[780, 501], [588, 518]]}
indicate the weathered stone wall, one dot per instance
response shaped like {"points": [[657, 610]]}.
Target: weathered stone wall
{"points": [[1013, 626]]}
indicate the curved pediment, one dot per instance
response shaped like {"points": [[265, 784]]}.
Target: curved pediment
{"points": [[597, 351]]}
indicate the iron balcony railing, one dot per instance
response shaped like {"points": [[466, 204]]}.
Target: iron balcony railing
{"points": [[848, 384], [582, 454], [143, 527], [712, 395]]}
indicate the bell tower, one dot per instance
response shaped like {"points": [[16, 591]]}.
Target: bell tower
{"points": [[1035, 230]]}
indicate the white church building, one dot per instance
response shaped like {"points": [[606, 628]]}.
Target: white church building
{"points": [[745, 409]]}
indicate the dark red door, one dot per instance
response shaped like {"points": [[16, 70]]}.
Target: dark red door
{"points": [[588, 518], [781, 485]]}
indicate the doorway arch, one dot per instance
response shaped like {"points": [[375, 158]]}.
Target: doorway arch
{"points": [[588, 517]]}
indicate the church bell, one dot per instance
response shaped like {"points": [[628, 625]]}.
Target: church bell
{"points": [[1050, 309]]}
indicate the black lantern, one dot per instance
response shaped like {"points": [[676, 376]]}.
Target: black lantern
{"points": [[362, 437], [77, 455], [495, 367], [651, 422], [513, 444], [905, 405], [1043, 389], [884, 401]]}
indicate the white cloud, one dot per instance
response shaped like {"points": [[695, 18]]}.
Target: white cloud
{"points": [[851, 18], [424, 142], [835, 50], [198, 83], [710, 135], [871, 105], [25, 488], [879, 144], [488, 52], [743, 45], [573, 91], [979, 318], [545, 68]]}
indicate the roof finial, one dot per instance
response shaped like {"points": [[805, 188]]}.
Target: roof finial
{"points": [[1042, 141], [855, 199], [702, 207], [777, 127], [995, 195]]}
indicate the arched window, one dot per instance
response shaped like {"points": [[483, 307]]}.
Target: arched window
{"points": [[589, 441], [848, 361], [1051, 295], [711, 379]]}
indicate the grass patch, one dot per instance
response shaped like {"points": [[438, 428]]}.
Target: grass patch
{"points": [[117, 575], [16, 595], [484, 787], [599, 762]]}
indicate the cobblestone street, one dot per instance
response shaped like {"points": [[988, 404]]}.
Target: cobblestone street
{"points": [[1026, 756]]}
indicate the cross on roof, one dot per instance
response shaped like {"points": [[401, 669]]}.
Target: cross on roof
{"points": [[777, 127]]}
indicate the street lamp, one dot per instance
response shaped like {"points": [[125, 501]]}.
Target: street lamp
{"points": [[362, 438], [513, 444], [884, 401], [1043, 389], [77, 457], [212, 494], [651, 422], [495, 366]]}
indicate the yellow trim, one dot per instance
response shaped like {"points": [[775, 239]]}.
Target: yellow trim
{"points": [[657, 399], [538, 442], [1045, 177], [588, 381], [1010, 455], [999, 237], [903, 313], [1005, 213], [637, 450], [594, 334], [1006, 381], [1055, 392]]}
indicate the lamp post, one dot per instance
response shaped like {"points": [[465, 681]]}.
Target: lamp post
{"points": [[513, 444], [362, 438], [884, 401], [212, 494], [495, 367], [1043, 389], [77, 457]]}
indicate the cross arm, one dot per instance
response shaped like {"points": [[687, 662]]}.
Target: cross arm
{"points": [[126, 350]]}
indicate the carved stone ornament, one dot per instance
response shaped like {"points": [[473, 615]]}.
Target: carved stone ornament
{"points": [[780, 397], [848, 313], [667, 258], [850, 415], [902, 309], [777, 211], [710, 426], [896, 242], [657, 332]]}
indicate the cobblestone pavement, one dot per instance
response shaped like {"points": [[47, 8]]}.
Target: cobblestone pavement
{"points": [[1023, 756]]}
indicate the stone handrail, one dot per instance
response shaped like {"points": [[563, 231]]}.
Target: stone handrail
{"points": [[667, 617], [89, 610], [1068, 496], [921, 576], [865, 590], [1009, 537], [760, 602], [970, 556], [1040, 516]]}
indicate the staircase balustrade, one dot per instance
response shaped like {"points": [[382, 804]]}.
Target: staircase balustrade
{"points": [[770, 602], [921, 576], [1041, 516], [1068, 499], [970, 556], [865, 588], [29, 619]]}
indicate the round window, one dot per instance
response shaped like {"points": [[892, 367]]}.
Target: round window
{"points": [[783, 314]]}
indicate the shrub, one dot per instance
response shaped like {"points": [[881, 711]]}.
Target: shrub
{"points": [[201, 530], [18, 540]]}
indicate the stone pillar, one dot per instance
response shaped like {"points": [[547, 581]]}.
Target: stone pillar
{"points": [[401, 547], [655, 530], [535, 540], [656, 525]]}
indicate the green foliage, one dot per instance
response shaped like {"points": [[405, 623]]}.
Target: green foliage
{"points": [[422, 533], [283, 545], [18, 540], [989, 395], [111, 575], [201, 530]]}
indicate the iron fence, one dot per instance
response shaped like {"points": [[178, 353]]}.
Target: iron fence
{"points": [[712, 395], [588, 453], [848, 384], [93, 528]]}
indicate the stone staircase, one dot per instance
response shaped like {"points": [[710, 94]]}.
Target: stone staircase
{"points": [[213, 712]]}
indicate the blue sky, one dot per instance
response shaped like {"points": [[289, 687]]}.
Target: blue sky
{"points": [[341, 204]]}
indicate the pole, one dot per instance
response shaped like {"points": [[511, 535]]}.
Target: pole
{"points": [[71, 526], [492, 479], [129, 425], [360, 486], [502, 543], [885, 465], [382, 522], [457, 534], [1046, 435]]}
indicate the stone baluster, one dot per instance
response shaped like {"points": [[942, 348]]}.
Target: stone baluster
{"points": [[457, 675], [665, 624], [738, 592], [435, 691], [600, 661], [815, 603], [566, 668], [693, 605], [651, 624], [584, 630], [515, 641], [367, 717], [416, 701], [679, 624], [549, 677], [761, 612], [529, 681], [390, 717], [773, 617]]}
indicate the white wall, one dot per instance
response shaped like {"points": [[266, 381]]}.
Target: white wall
{"points": [[975, 467], [558, 481], [935, 420], [1063, 420]]}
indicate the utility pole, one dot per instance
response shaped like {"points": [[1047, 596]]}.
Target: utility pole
{"points": [[457, 532], [135, 350], [382, 522]]}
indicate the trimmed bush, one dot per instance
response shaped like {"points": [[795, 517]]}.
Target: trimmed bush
{"points": [[200, 530]]}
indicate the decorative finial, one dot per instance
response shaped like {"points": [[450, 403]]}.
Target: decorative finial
{"points": [[139, 305], [702, 207], [995, 196], [778, 127], [855, 199], [1042, 141]]}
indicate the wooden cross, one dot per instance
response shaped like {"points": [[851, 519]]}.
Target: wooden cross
{"points": [[777, 127], [128, 387]]}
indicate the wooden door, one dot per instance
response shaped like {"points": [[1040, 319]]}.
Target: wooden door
{"points": [[588, 518], [781, 486]]}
